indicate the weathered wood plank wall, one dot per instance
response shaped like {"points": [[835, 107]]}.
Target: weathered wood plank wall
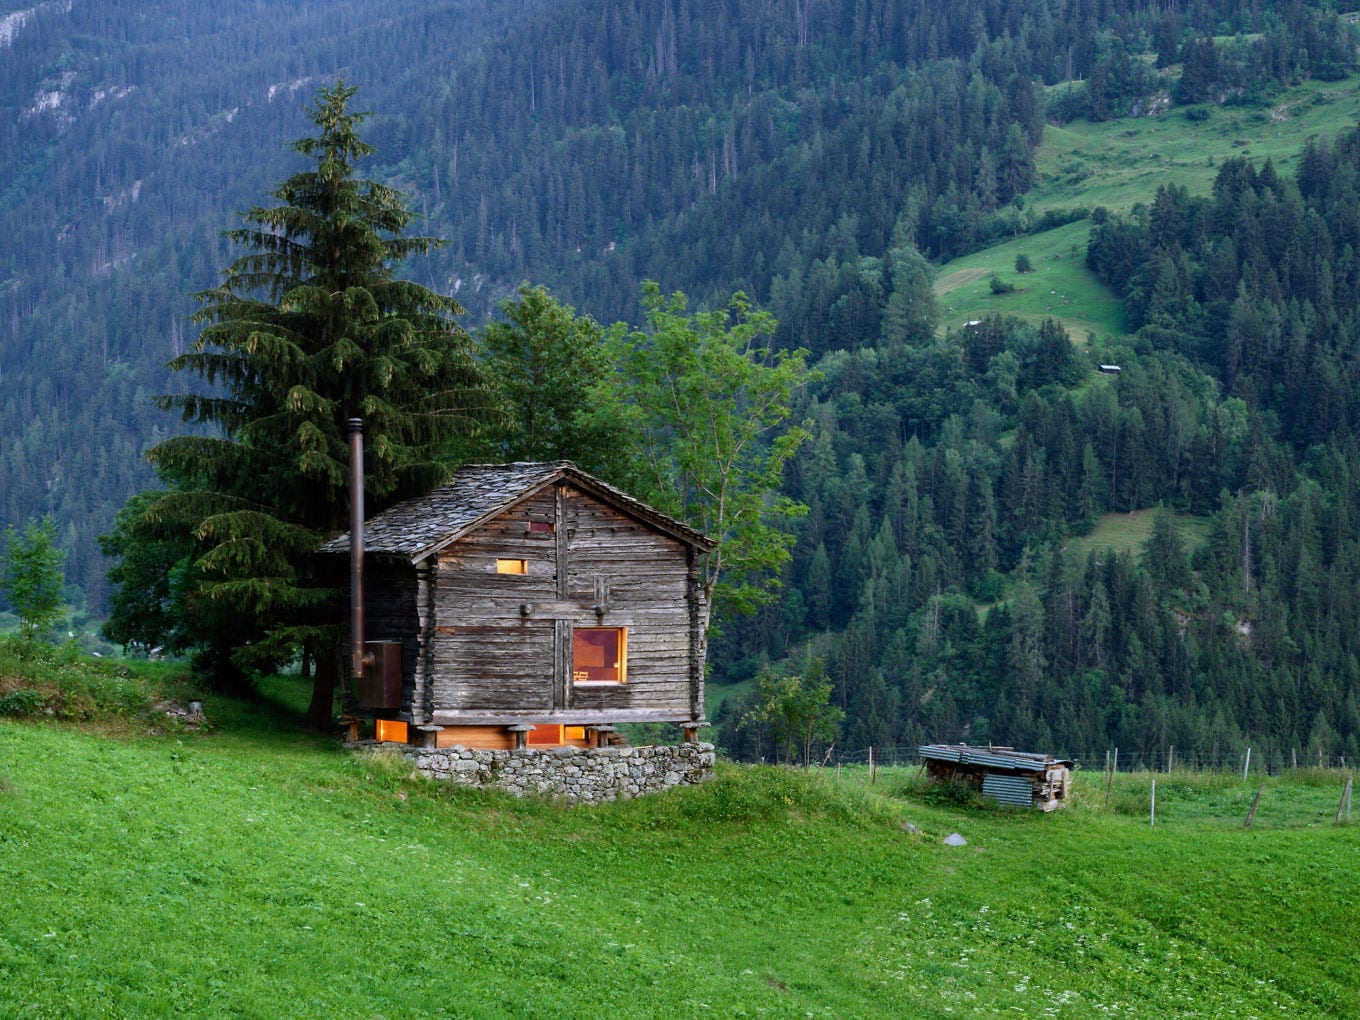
{"points": [[501, 643], [643, 577]]}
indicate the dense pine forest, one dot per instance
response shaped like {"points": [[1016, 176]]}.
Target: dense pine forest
{"points": [[826, 158]]}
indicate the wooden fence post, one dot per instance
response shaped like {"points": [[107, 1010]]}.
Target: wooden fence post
{"points": [[1344, 808], [1251, 815], [1152, 824]]}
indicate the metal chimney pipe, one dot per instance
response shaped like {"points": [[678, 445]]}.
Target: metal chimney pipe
{"points": [[356, 547]]}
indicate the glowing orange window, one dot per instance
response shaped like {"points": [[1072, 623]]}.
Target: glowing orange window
{"points": [[598, 655], [390, 731], [552, 734], [545, 734]]}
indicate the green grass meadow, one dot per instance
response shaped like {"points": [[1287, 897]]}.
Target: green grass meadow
{"points": [[1129, 533], [1060, 287], [248, 870], [1117, 164], [251, 871]]}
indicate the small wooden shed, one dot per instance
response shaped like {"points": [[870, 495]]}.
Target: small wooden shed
{"points": [[530, 603], [1003, 774]]}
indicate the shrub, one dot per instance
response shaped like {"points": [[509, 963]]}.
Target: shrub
{"points": [[36, 677], [955, 793], [24, 701]]}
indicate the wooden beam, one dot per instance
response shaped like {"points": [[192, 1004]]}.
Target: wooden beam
{"points": [[568, 717]]}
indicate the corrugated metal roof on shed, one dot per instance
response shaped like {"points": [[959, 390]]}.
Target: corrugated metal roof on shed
{"points": [[991, 757]]}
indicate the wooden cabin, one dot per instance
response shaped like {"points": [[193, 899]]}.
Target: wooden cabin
{"points": [[529, 603], [1003, 774]]}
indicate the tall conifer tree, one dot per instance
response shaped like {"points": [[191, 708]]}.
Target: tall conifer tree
{"points": [[310, 327]]}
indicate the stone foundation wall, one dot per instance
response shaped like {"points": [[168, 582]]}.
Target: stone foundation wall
{"points": [[580, 775]]}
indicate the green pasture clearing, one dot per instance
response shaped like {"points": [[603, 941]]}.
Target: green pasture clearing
{"points": [[1060, 287], [1128, 533], [1118, 163], [249, 871]]}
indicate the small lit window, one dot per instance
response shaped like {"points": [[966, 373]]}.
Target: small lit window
{"points": [[390, 731], [545, 734], [598, 655], [512, 566], [554, 734]]}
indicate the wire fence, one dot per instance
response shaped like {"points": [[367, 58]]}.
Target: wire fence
{"points": [[1245, 761]]}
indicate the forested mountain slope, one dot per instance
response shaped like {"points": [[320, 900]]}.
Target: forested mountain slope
{"points": [[130, 134], [815, 153], [584, 145]]}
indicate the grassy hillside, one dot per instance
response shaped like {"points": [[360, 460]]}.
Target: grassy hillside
{"points": [[1116, 164], [1059, 287], [1128, 534], [247, 871]]}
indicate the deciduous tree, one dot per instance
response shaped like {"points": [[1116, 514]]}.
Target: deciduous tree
{"points": [[709, 402], [797, 709], [147, 608], [31, 577]]}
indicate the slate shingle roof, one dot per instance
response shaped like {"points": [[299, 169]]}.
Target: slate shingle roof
{"points": [[476, 492]]}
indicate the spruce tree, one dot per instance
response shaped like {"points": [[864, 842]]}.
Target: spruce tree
{"points": [[546, 362], [310, 327]]}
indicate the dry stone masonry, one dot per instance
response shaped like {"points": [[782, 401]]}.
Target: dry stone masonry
{"points": [[579, 775]]}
